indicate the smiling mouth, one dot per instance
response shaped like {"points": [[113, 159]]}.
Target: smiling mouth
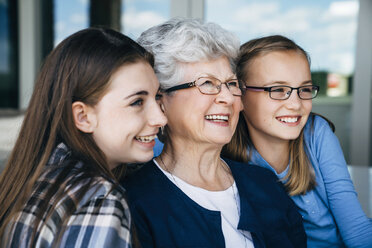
{"points": [[146, 139], [289, 119], [219, 118]]}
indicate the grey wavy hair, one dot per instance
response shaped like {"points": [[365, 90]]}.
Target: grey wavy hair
{"points": [[182, 40]]}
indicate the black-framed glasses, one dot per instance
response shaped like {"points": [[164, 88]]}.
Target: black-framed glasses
{"points": [[306, 92], [210, 86]]}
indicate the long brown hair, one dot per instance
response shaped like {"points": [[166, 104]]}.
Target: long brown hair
{"points": [[301, 177], [78, 69]]}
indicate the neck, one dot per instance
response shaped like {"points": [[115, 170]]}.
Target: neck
{"points": [[197, 164], [275, 153]]}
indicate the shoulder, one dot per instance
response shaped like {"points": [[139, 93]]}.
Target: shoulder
{"points": [[250, 170], [257, 181], [144, 173], [102, 218], [146, 183], [316, 123], [101, 207], [320, 138], [263, 192], [104, 198]]}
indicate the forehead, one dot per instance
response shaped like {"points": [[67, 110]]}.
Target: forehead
{"points": [[280, 66], [131, 78], [280, 57], [218, 68]]}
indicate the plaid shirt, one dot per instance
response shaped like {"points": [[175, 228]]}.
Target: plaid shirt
{"points": [[101, 218]]}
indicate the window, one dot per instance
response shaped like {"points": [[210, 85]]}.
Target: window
{"points": [[8, 54], [70, 17], [139, 15], [326, 29]]}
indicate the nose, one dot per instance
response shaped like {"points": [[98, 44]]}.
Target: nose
{"points": [[225, 95], [294, 101], [156, 117]]}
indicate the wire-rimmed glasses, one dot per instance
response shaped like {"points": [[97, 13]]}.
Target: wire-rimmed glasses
{"points": [[210, 86]]}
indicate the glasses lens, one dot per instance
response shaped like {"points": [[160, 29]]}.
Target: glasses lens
{"points": [[234, 88], [308, 92], [212, 86], [207, 85], [280, 92]]}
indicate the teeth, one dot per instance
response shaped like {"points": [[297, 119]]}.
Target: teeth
{"points": [[217, 117], [289, 120], [146, 139]]}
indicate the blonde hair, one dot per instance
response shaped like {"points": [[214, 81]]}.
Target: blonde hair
{"points": [[301, 177]]}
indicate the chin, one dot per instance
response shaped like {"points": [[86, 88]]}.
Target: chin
{"points": [[147, 157], [222, 142], [292, 137]]}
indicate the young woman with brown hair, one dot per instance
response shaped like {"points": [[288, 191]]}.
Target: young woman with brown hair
{"points": [[93, 110]]}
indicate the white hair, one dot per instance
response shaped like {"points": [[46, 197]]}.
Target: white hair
{"points": [[181, 40]]}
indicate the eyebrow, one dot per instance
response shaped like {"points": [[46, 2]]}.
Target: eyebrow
{"points": [[213, 76], [286, 83], [141, 93]]}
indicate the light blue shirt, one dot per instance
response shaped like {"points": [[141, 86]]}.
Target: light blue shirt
{"points": [[158, 147], [331, 212]]}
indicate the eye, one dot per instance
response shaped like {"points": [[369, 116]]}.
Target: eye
{"points": [[137, 102], [207, 83], [278, 89], [307, 89], [233, 84], [158, 96]]}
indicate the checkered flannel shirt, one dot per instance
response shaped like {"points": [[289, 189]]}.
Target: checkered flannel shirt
{"points": [[101, 219]]}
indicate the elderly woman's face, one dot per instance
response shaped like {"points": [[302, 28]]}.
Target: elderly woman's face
{"points": [[202, 118]]}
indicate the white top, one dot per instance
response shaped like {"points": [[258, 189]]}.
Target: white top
{"points": [[227, 202]]}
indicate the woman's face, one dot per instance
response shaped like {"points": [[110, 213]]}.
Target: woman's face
{"points": [[276, 120], [198, 118], [128, 116]]}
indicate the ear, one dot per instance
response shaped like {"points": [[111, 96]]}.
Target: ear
{"points": [[84, 117]]}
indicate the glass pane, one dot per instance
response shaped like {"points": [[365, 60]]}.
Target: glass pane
{"points": [[139, 15], [8, 54], [4, 38], [324, 28], [70, 17]]}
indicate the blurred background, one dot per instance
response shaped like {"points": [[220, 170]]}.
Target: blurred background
{"points": [[336, 33]]}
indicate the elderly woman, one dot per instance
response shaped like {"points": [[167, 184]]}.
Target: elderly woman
{"points": [[189, 196]]}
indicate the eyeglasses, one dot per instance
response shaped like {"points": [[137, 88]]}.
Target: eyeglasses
{"points": [[210, 86], [284, 92]]}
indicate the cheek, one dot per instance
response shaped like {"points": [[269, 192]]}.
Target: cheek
{"points": [[173, 111], [133, 122], [122, 125], [251, 106], [308, 105], [259, 110], [239, 104]]}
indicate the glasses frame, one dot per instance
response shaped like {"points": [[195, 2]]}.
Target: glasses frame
{"points": [[269, 89], [193, 84]]}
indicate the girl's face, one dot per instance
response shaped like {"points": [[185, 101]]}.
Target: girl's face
{"points": [[128, 117], [199, 118], [276, 120]]}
